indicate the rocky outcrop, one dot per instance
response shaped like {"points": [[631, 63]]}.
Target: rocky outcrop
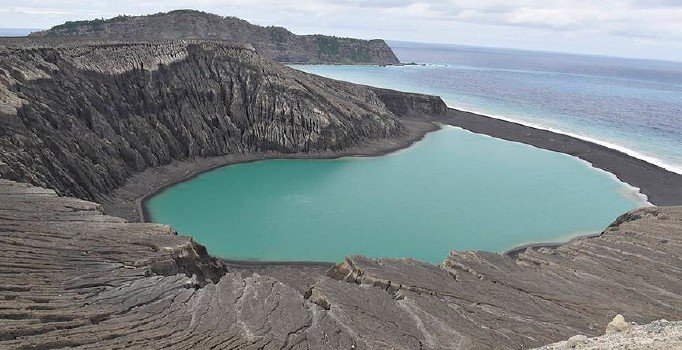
{"points": [[412, 105], [618, 324], [74, 277], [82, 117], [276, 43], [661, 334]]}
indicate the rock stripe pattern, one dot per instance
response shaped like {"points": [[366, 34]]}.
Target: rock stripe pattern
{"points": [[81, 117], [74, 277]]}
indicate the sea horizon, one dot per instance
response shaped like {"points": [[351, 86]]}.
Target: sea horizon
{"points": [[574, 53], [630, 118]]}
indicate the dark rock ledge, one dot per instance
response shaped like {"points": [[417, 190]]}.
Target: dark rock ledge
{"points": [[74, 277]]}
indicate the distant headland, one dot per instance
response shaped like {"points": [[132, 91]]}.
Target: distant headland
{"points": [[276, 43]]}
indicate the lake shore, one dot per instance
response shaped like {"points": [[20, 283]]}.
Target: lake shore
{"points": [[129, 200], [662, 187]]}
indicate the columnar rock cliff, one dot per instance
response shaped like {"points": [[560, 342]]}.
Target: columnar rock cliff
{"points": [[73, 277], [82, 117], [276, 43]]}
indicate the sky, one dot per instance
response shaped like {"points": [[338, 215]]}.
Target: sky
{"points": [[627, 28]]}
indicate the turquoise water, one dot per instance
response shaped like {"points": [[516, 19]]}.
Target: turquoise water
{"points": [[453, 190], [634, 106]]}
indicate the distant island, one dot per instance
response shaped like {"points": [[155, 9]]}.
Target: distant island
{"points": [[276, 43]]}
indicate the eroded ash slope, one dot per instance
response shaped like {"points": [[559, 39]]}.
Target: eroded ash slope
{"points": [[73, 277], [81, 117]]}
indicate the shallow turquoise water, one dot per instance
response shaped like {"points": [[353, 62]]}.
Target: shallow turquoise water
{"points": [[453, 190]]}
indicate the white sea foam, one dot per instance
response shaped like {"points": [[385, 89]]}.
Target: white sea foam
{"points": [[632, 153]]}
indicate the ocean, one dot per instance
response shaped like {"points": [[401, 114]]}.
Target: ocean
{"points": [[10, 32], [631, 105]]}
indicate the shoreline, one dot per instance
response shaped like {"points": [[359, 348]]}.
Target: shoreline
{"points": [[658, 185], [622, 149], [515, 251], [632, 191], [129, 200], [661, 186]]}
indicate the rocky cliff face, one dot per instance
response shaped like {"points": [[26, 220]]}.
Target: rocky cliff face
{"points": [[73, 277], [82, 117], [272, 42], [410, 104]]}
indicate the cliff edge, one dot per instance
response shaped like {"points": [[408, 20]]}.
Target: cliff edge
{"points": [[82, 117]]}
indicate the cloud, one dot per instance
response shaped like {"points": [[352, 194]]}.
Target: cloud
{"points": [[373, 3], [492, 22], [643, 18], [550, 18]]}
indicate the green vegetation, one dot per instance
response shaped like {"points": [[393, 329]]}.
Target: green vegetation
{"points": [[328, 45], [69, 25], [278, 34], [72, 25], [362, 54]]}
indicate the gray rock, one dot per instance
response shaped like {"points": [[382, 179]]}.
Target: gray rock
{"points": [[575, 341], [618, 324], [74, 277], [653, 336], [83, 117]]}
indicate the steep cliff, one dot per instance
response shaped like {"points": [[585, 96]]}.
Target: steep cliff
{"points": [[73, 277], [408, 104], [82, 117], [276, 43]]}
